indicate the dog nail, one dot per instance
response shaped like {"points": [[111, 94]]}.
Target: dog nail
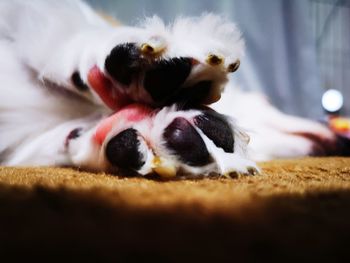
{"points": [[155, 46], [234, 66], [147, 49], [151, 50], [185, 142], [214, 60], [233, 174], [123, 152], [164, 168], [214, 97], [252, 171]]}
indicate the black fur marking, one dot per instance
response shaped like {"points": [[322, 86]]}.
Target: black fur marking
{"points": [[217, 129], [165, 77], [73, 135], [122, 150], [123, 63], [78, 82], [186, 143]]}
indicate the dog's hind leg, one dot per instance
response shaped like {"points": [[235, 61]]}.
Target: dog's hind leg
{"points": [[275, 134]]}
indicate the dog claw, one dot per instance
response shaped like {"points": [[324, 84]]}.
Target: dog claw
{"points": [[147, 49], [252, 171], [214, 60], [163, 168], [154, 48], [233, 66], [233, 174]]}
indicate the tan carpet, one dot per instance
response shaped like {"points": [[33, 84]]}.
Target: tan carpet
{"points": [[298, 210]]}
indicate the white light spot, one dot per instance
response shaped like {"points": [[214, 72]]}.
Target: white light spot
{"points": [[332, 100]]}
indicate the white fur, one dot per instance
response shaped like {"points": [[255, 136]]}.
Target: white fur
{"points": [[273, 134], [43, 42]]}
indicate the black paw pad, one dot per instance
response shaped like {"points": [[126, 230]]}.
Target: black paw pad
{"points": [[195, 95], [186, 143], [123, 62], [166, 76], [123, 150], [216, 128]]}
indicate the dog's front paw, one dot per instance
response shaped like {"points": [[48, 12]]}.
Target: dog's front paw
{"points": [[142, 75], [170, 142], [158, 65]]}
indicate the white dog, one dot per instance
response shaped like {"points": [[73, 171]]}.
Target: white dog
{"points": [[78, 91]]}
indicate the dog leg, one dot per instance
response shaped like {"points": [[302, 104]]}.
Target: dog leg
{"points": [[275, 134], [168, 142]]}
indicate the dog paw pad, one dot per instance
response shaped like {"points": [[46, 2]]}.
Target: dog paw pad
{"points": [[165, 77], [185, 142], [123, 62], [217, 129], [123, 150]]}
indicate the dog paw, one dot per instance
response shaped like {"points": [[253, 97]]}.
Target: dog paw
{"points": [[188, 62], [155, 80], [172, 142]]}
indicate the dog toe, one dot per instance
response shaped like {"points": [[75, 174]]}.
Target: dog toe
{"points": [[123, 150], [217, 129], [165, 77], [123, 63], [184, 141]]}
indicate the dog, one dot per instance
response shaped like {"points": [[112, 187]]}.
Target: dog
{"points": [[78, 91]]}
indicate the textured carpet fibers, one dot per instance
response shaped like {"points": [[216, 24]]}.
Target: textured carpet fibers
{"points": [[297, 210]]}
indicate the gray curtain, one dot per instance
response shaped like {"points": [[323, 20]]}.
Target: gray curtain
{"points": [[281, 56]]}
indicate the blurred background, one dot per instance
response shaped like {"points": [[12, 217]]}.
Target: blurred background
{"points": [[295, 49]]}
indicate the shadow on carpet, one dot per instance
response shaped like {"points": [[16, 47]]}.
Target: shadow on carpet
{"points": [[297, 210]]}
